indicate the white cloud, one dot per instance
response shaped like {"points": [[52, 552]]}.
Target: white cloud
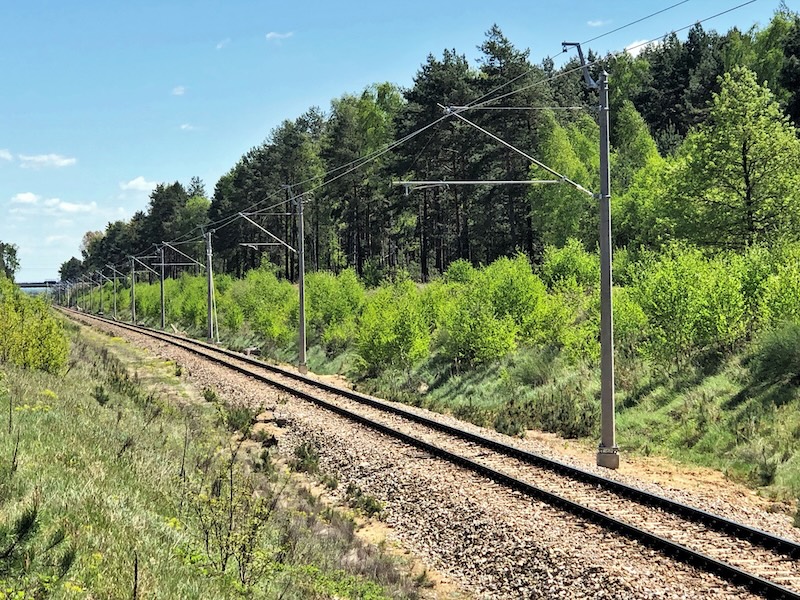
{"points": [[138, 184], [5, 154], [50, 239], [274, 36], [598, 22], [32, 205], [25, 198], [187, 127], [178, 90], [636, 47], [71, 207], [38, 161], [221, 44]]}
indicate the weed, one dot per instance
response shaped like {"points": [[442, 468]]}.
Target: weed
{"points": [[13, 468], [329, 481], [265, 438], [210, 396], [178, 370], [535, 369], [100, 395], [263, 464], [242, 418], [796, 521], [306, 458], [30, 558], [777, 356], [473, 412], [232, 519], [369, 505], [423, 580], [127, 444], [509, 421]]}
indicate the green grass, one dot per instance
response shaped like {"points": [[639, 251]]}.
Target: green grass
{"points": [[725, 416], [132, 482]]}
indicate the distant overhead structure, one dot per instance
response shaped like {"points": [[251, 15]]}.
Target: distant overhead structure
{"points": [[608, 452], [37, 285], [301, 268]]}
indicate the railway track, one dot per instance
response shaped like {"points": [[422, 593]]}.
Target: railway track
{"points": [[764, 563]]}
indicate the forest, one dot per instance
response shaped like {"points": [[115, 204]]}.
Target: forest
{"points": [[483, 300], [716, 172]]}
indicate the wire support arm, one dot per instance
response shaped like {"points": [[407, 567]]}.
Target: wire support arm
{"points": [[538, 163], [170, 246], [145, 266], [411, 185], [270, 234], [114, 269]]}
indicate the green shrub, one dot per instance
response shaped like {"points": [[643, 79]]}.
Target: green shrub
{"points": [[393, 330], [473, 332], [270, 305], [334, 304], [459, 271], [630, 323], [777, 356], [30, 336], [780, 292], [691, 304], [306, 458], [570, 262], [500, 305]]}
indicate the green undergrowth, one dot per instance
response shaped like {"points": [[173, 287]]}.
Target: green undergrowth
{"points": [[730, 415], [706, 345], [111, 489]]}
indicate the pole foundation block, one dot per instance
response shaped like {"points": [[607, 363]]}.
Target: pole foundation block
{"points": [[302, 368], [608, 460]]}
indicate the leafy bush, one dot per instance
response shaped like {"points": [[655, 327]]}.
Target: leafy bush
{"points": [[516, 292], [459, 271], [779, 300], [500, 305], [777, 356], [691, 303], [473, 332], [393, 330], [270, 305], [570, 262], [630, 322], [334, 305], [30, 336]]}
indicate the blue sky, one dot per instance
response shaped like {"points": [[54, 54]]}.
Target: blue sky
{"points": [[101, 99]]}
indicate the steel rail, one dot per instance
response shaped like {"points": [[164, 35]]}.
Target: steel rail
{"points": [[726, 571]]}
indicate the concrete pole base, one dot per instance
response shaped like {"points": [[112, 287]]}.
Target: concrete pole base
{"points": [[302, 368], [608, 460]]}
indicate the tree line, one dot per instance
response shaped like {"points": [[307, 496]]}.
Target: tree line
{"points": [[705, 150]]}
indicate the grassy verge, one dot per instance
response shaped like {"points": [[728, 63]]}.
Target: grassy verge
{"points": [[731, 416], [734, 412], [109, 490]]}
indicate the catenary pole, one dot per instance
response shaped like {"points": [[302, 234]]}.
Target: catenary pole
{"points": [[608, 452], [301, 265], [114, 270], [100, 289], [162, 287], [133, 291], [210, 278]]}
